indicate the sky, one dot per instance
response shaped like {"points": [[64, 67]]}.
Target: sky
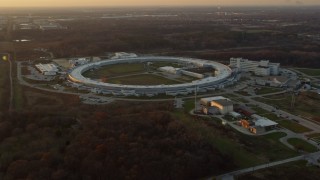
{"points": [[70, 3]]}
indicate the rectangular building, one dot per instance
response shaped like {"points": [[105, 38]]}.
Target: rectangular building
{"points": [[224, 105], [47, 69], [261, 68]]}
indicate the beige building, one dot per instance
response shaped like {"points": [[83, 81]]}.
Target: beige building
{"points": [[222, 104]]}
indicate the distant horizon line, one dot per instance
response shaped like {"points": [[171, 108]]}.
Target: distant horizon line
{"points": [[164, 6]]}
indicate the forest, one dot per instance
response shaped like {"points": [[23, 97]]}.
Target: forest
{"points": [[136, 144]]}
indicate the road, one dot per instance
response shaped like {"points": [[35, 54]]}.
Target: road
{"points": [[230, 175], [11, 86]]}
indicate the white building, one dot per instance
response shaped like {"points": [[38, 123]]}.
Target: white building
{"points": [[168, 69], [261, 68], [235, 114], [47, 69], [192, 74], [120, 55], [261, 124]]}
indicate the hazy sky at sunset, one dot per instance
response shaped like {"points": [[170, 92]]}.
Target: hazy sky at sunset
{"points": [[33, 3]]}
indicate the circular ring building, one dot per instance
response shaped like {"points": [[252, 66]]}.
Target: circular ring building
{"points": [[222, 75]]}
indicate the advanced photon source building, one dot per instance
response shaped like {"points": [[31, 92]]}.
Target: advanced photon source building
{"points": [[222, 77], [221, 104]]}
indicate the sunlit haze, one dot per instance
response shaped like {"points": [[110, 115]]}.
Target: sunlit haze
{"points": [[70, 3]]}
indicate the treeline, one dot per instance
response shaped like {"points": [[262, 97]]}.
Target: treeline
{"points": [[83, 37], [182, 33], [123, 142]]}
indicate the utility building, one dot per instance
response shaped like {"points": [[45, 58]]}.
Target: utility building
{"points": [[222, 104], [262, 124], [47, 69]]}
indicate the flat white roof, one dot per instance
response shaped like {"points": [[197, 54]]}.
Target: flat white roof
{"points": [[47, 67], [234, 114], [213, 98], [168, 68], [265, 122]]}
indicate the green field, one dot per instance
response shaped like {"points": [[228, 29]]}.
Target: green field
{"points": [[314, 135], [142, 79], [267, 90], [293, 126], [115, 70], [300, 144], [309, 72], [275, 136]]}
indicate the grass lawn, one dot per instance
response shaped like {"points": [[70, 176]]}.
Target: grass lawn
{"points": [[188, 105], [314, 135], [293, 126], [235, 98], [300, 144], [115, 70], [310, 72], [241, 100], [242, 93], [259, 110], [142, 79], [275, 136], [267, 90]]}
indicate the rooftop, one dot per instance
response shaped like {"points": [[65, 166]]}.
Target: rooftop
{"points": [[264, 122], [224, 102], [47, 67], [213, 98]]}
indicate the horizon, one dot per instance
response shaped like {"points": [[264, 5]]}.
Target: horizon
{"points": [[163, 3], [165, 6]]}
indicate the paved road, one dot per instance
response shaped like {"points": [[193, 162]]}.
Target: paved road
{"points": [[230, 175], [11, 86]]}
